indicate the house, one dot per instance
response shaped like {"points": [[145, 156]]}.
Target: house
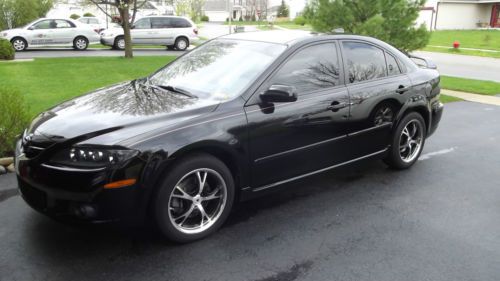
{"points": [[217, 10], [460, 14]]}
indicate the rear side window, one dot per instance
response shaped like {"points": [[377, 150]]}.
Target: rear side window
{"points": [[312, 68], [392, 65], [364, 61], [160, 23], [179, 23]]}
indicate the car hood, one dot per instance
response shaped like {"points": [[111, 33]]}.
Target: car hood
{"points": [[15, 30], [113, 114]]}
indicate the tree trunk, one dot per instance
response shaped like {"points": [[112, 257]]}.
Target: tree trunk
{"points": [[124, 13]]}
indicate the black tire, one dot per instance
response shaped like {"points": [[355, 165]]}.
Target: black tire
{"points": [[394, 156], [164, 197], [80, 43], [19, 44], [170, 47], [118, 43], [181, 43]]}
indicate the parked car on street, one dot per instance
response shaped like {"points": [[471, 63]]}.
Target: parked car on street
{"points": [[170, 31], [49, 32], [238, 116], [94, 22]]}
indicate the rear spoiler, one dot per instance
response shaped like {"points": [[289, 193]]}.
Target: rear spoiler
{"points": [[422, 62]]}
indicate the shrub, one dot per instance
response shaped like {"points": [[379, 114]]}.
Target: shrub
{"points": [[87, 14], [300, 20], [7, 52], [74, 16], [13, 119], [204, 18], [241, 19]]}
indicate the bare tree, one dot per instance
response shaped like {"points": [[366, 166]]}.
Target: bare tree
{"points": [[123, 7]]}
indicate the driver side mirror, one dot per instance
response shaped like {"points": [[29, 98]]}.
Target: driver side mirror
{"points": [[279, 93], [31, 28]]}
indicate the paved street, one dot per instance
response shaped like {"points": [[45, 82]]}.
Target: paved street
{"points": [[465, 66], [436, 221], [69, 52]]}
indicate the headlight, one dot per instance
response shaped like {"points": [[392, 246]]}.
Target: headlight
{"points": [[92, 156]]}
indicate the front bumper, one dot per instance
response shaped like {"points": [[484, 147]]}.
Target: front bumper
{"points": [[107, 41], [79, 195]]}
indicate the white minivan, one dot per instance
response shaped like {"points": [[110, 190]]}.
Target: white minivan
{"points": [[171, 31]]}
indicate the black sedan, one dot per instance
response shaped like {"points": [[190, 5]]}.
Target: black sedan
{"points": [[235, 117]]}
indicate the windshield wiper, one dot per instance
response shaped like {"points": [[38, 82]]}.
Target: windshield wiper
{"points": [[176, 90]]}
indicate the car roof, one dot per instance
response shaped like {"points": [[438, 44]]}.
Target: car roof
{"points": [[290, 37]]}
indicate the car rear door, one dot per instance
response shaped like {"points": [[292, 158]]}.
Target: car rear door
{"points": [[62, 32], [287, 140], [377, 88]]}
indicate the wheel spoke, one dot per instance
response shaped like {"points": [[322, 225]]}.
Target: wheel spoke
{"points": [[201, 180], [212, 196], [186, 215], [203, 214], [183, 194]]}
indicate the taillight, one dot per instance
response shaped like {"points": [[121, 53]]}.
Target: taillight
{"points": [[195, 31]]}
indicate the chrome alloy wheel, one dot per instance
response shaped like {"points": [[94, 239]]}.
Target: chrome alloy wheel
{"points": [[19, 44], [181, 44], [410, 141], [80, 43], [197, 201], [121, 43]]}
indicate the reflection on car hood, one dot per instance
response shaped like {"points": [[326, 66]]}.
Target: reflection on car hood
{"points": [[126, 110]]}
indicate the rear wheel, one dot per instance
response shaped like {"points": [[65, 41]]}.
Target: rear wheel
{"points": [[119, 43], [407, 142], [19, 44], [170, 47], [80, 43], [194, 199], [181, 43]]}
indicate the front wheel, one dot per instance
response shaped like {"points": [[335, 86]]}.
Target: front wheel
{"points": [[194, 199], [119, 43], [19, 44], [407, 142], [80, 43]]}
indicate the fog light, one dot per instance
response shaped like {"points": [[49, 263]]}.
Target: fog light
{"points": [[85, 211]]}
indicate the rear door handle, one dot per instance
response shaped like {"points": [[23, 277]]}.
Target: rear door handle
{"points": [[401, 89], [336, 106]]}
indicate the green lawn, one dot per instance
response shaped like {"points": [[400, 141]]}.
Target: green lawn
{"points": [[446, 99], [470, 85], [47, 82], [478, 39]]}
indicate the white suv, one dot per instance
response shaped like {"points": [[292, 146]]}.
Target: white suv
{"points": [[170, 31]]}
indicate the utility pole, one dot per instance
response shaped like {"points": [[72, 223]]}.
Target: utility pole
{"points": [[230, 7]]}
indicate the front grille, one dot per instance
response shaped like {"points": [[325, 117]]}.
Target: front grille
{"points": [[34, 197]]}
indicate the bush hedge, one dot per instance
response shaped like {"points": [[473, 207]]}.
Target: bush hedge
{"points": [[204, 18], [74, 16], [87, 14], [300, 20], [7, 52], [14, 118]]}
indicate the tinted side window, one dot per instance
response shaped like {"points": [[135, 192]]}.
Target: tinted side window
{"points": [[179, 23], [392, 65], [143, 24], [364, 61], [63, 24], [312, 68], [160, 23], [45, 24]]}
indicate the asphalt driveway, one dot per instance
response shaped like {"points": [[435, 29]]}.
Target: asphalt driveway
{"points": [[436, 221]]}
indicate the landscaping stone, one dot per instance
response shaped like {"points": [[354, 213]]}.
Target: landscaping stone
{"points": [[6, 161], [11, 168], [2, 170]]}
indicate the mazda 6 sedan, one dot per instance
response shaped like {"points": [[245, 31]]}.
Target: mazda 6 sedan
{"points": [[238, 116]]}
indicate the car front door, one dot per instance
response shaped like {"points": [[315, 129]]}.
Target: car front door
{"points": [[142, 32], [377, 88], [290, 139], [39, 34]]}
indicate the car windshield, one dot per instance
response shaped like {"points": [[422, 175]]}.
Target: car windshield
{"points": [[220, 69]]}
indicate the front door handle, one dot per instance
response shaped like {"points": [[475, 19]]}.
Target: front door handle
{"points": [[336, 106], [401, 89]]}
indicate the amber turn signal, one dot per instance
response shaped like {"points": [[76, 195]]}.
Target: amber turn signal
{"points": [[118, 184]]}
